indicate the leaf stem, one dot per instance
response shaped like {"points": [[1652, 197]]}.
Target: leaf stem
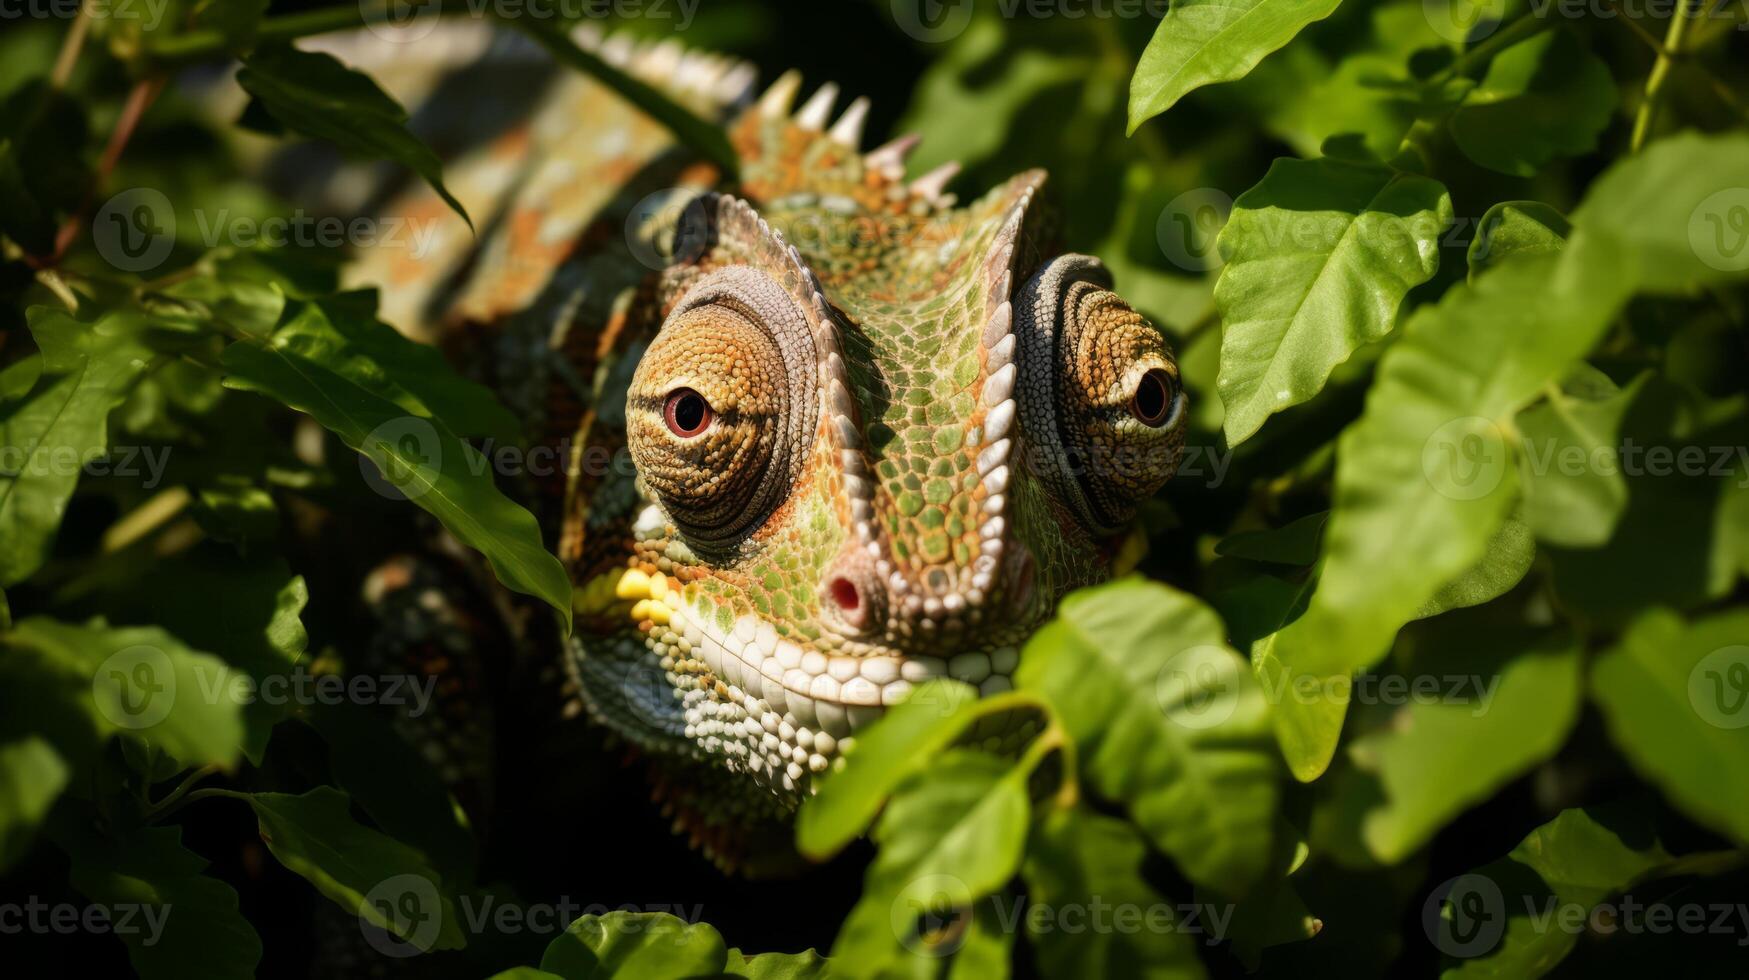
{"points": [[68, 58], [153, 810], [1673, 37]]}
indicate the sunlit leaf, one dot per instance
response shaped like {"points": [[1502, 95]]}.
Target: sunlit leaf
{"points": [[634, 945], [1202, 42], [1319, 257], [1516, 228]]}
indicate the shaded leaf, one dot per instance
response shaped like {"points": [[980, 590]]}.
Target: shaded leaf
{"points": [[1574, 490], [32, 775], [316, 95], [1516, 228], [385, 882], [1544, 97], [1676, 697], [1167, 720], [1505, 560], [635, 945]]}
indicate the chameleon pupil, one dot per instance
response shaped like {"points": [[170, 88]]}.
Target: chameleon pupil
{"points": [[687, 413], [1153, 398]]}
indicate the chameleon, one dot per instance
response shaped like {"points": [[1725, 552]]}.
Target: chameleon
{"points": [[829, 432]]}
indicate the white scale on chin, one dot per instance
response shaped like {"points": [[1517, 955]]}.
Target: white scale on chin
{"points": [[781, 712]]}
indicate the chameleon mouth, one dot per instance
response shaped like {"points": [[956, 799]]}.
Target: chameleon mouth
{"points": [[782, 711]]}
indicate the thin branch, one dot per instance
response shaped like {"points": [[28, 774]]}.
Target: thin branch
{"points": [[70, 48], [1673, 37]]}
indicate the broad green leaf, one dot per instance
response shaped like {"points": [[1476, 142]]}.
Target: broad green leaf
{"points": [[1294, 543], [385, 882], [343, 333], [1077, 857], [908, 738], [188, 924], [634, 945], [1167, 720], [986, 950], [806, 965], [1497, 921], [52, 432], [1676, 697], [317, 96], [1365, 95], [1505, 560], [421, 458], [32, 775], [1426, 478], [953, 833], [1677, 211], [1516, 228], [1574, 491], [1478, 706], [1319, 257], [137, 680], [1202, 42], [1545, 97]]}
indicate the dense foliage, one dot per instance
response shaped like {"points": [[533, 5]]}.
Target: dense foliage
{"points": [[1435, 658]]}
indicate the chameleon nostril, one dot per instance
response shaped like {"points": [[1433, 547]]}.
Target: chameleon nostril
{"points": [[844, 593]]}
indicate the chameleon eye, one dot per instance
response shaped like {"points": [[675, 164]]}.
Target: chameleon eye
{"points": [[1154, 398], [687, 413], [718, 418], [1099, 398]]}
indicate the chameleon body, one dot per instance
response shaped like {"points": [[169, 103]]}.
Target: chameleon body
{"points": [[830, 432]]}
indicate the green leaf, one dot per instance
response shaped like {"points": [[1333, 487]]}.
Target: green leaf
{"points": [[343, 333], [1574, 491], [1167, 720], [1675, 211], [953, 833], [635, 945], [236, 20], [137, 680], [1425, 479], [986, 949], [1294, 543], [1078, 857], [187, 925], [1516, 228], [525, 973], [1319, 257], [316, 95], [60, 425], [1544, 97], [1505, 561], [1479, 705], [32, 776], [806, 965], [907, 739], [1202, 42], [385, 882], [1496, 920], [422, 458], [1676, 697]]}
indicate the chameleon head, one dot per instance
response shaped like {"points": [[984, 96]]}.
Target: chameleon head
{"points": [[859, 468]]}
